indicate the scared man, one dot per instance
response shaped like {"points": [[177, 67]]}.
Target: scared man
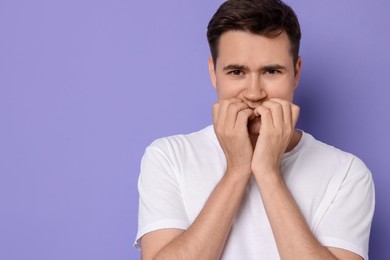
{"points": [[251, 186]]}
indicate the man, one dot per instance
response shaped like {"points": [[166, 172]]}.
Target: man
{"points": [[252, 186]]}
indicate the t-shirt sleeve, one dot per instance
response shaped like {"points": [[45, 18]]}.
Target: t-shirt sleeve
{"points": [[160, 199], [347, 222]]}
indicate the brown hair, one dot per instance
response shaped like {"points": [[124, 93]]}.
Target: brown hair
{"points": [[269, 18]]}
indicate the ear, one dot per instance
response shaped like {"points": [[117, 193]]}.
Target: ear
{"points": [[298, 67], [213, 78]]}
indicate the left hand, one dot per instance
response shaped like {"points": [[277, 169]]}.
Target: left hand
{"points": [[278, 120]]}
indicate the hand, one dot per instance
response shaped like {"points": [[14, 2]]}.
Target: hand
{"points": [[230, 125], [278, 120]]}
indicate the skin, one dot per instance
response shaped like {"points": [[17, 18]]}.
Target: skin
{"points": [[254, 120]]}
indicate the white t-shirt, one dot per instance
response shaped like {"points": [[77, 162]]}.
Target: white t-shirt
{"points": [[333, 189]]}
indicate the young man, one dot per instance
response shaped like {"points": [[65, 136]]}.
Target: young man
{"points": [[252, 186]]}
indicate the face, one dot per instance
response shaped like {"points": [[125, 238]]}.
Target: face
{"points": [[254, 68]]}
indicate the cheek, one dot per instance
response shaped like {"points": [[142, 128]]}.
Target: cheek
{"points": [[280, 89], [283, 94], [228, 89]]}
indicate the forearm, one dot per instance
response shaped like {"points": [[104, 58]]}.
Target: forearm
{"points": [[293, 236], [206, 237]]}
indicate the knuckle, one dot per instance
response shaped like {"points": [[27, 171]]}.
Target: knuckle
{"points": [[286, 105], [225, 102], [266, 103], [284, 102], [296, 108], [266, 112], [234, 108]]}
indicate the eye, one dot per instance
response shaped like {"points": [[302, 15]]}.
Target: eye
{"points": [[272, 72], [236, 72]]}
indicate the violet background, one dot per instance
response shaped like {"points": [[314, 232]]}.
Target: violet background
{"points": [[86, 85]]}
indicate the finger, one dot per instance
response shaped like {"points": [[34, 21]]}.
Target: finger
{"points": [[287, 111], [295, 114], [266, 117], [277, 113], [222, 112], [242, 120], [232, 113], [215, 112]]}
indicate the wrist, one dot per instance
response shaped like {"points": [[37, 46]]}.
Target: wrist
{"points": [[268, 176], [242, 169], [237, 176]]}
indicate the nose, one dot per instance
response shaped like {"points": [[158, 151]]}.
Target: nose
{"points": [[254, 92]]}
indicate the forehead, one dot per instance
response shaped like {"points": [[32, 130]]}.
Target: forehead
{"points": [[252, 49]]}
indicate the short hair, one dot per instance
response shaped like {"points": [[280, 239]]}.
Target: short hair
{"points": [[269, 18]]}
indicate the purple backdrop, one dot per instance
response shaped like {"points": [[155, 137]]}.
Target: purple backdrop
{"points": [[86, 85]]}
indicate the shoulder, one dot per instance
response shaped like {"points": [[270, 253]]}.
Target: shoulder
{"points": [[168, 159], [332, 156], [183, 143], [319, 151], [324, 148]]}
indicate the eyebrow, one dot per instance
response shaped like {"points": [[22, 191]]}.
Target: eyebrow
{"points": [[273, 67], [262, 68], [235, 67]]}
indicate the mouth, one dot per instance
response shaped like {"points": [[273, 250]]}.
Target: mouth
{"points": [[254, 119], [253, 116], [254, 122]]}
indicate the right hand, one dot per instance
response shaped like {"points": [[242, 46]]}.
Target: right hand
{"points": [[230, 118]]}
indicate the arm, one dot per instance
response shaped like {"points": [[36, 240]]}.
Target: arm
{"points": [[293, 237], [206, 237], [287, 222]]}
